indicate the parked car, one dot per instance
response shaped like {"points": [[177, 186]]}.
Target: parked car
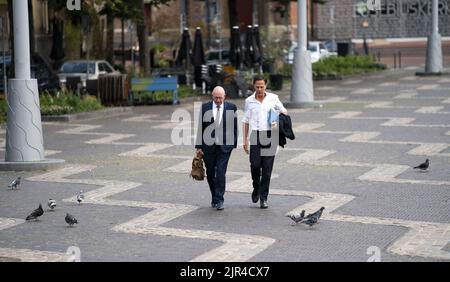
{"points": [[86, 70], [331, 46], [40, 70], [317, 49]]}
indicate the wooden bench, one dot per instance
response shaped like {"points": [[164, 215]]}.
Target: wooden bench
{"points": [[145, 85]]}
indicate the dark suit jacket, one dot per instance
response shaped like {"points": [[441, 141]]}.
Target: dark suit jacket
{"points": [[285, 126], [228, 136]]}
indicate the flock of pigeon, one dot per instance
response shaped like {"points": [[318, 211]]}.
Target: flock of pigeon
{"points": [[310, 219], [313, 218], [70, 219]]}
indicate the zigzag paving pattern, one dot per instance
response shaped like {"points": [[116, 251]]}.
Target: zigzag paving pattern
{"points": [[424, 239], [150, 223], [7, 254], [236, 247], [422, 149]]}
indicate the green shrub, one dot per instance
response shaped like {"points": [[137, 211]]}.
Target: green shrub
{"points": [[345, 66], [61, 103], [187, 91], [339, 66]]}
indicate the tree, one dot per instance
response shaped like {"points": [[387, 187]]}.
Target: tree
{"points": [[130, 10], [75, 17], [124, 11], [142, 32], [109, 11]]}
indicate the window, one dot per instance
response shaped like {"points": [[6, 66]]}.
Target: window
{"points": [[77, 67], [108, 68], [101, 67], [104, 67], [313, 48]]}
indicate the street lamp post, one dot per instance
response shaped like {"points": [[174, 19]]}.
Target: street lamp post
{"points": [[302, 91], [333, 25], [24, 139], [433, 64], [365, 25]]}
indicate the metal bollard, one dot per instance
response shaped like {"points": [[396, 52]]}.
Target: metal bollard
{"points": [[399, 59], [379, 56]]}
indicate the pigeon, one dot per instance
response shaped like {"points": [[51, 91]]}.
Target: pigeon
{"points": [[36, 213], [311, 221], [80, 197], [71, 220], [15, 183], [317, 214], [51, 204], [423, 166], [299, 218], [313, 218]]}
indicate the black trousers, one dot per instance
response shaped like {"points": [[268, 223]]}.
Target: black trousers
{"points": [[262, 157], [216, 163]]}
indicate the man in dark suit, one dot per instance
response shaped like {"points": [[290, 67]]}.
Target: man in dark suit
{"points": [[216, 138]]}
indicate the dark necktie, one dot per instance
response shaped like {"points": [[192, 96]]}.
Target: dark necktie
{"points": [[217, 118], [217, 124]]}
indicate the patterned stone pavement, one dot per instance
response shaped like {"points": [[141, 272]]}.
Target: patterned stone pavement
{"points": [[354, 156]]}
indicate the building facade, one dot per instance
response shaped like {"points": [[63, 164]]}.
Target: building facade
{"points": [[396, 19]]}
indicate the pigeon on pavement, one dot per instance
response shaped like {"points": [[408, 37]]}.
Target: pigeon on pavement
{"points": [[317, 214], [313, 218], [36, 213], [80, 197], [297, 218], [311, 221], [423, 166], [71, 220], [51, 204], [15, 183]]}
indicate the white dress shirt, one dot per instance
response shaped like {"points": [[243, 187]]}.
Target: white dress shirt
{"points": [[257, 113], [215, 112]]}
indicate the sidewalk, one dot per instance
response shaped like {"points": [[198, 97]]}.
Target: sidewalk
{"points": [[354, 157]]}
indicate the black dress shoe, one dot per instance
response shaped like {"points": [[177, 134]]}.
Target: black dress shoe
{"points": [[263, 204], [219, 206], [255, 196]]}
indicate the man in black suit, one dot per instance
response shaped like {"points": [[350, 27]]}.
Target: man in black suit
{"points": [[216, 138]]}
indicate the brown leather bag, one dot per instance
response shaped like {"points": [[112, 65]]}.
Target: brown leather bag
{"points": [[198, 172]]}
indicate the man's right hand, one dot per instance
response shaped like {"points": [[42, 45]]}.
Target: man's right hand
{"points": [[246, 147]]}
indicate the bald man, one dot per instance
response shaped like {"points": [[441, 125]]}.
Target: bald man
{"points": [[217, 136]]}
